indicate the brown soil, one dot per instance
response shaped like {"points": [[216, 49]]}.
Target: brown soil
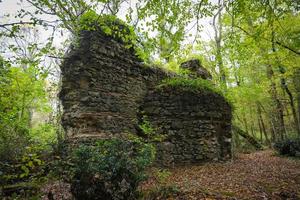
{"points": [[260, 175]]}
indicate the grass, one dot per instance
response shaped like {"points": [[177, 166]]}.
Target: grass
{"points": [[192, 85]]}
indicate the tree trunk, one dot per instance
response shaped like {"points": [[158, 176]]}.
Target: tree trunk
{"points": [[278, 119], [245, 123], [272, 129], [260, 130], [217, 25], [252, 130], [252, 124], [291, 98], [262, 124], [296, 80], [248, 137]]}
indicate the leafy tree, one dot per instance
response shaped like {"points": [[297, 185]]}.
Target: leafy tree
{"points": [[264, 35], [22, 92]]}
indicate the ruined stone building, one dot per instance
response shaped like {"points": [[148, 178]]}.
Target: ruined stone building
{"points": [[106, 91]]}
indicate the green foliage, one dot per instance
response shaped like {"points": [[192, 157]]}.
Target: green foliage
{"points": [[44, 135], [29, 166], [146, 126], [109, 25], [113, 27], [22, 92], [187, 84], [30, 161], [22, 144], [13, 140], [162, 175], [170, 19], [259, 39], [149, 134], [111, 169], [175, 67], [289, 147]]}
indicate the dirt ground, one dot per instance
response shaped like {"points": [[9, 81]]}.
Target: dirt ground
{"points": [[260, 175]]}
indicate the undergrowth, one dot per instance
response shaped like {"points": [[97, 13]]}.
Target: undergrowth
{"points": [[111, 169]]}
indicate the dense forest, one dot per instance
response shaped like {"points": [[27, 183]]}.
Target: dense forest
{"points": [[250, 50]]}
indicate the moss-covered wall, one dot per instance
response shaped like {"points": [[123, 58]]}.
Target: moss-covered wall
{"points": [[106, 90]]}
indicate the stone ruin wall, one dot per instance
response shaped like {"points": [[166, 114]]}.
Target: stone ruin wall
{"points": [[103, 85], [197, 125], [105, 88]]}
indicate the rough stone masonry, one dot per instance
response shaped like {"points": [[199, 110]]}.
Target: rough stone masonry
{"points": [[106, 90]]}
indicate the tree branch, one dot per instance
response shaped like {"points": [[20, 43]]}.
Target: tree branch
{"points": [[16, 23], [40, 8], [266, 39]]}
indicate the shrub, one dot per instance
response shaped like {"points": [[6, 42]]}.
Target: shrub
{"points": [[110, 169], [290, 147], [13, 140], [25, 168]]}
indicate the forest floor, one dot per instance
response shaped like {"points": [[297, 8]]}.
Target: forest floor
{"points": [[259, 175]]}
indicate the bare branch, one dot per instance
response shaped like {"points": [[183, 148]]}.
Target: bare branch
{"points": [[16, 23], [40, 8]]}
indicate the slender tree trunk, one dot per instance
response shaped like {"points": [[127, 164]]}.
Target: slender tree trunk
{"points": [[217, 25], [279, 107], [296, 81], [252, 124], [297, 86], [291, 98], [278, 119], [262, 124], [268, 142], [245, 123], [272, 129], [260, 130], [252, 130], [288, 116]]}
